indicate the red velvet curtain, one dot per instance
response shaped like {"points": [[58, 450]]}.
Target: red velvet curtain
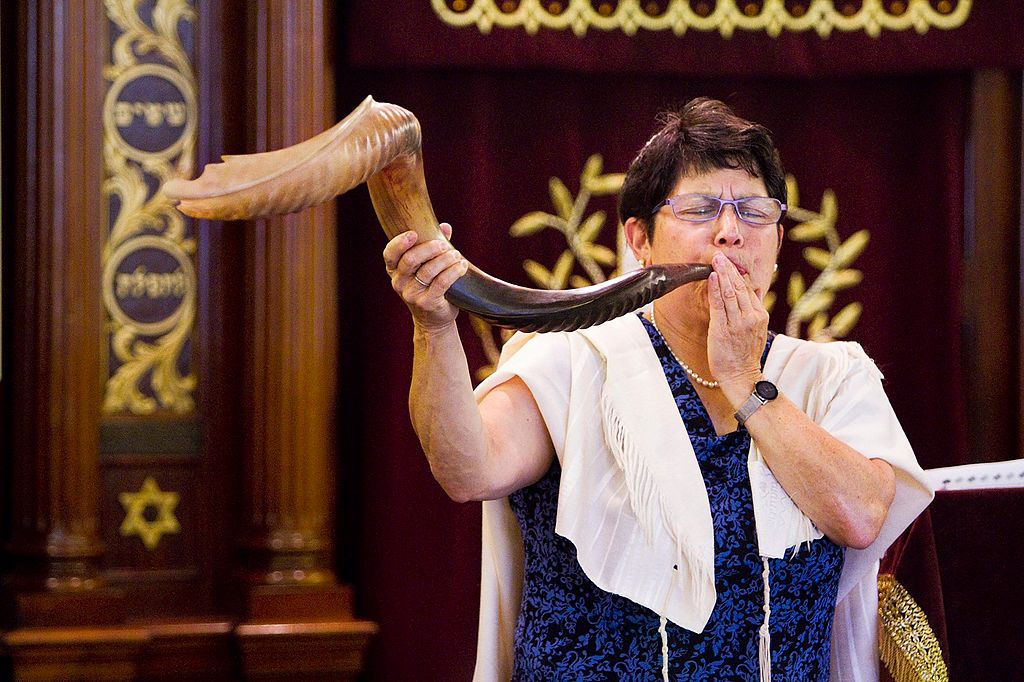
{"points": [[500, 115]]}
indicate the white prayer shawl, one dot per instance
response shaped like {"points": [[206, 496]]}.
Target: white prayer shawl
{"points": [[632, 499]]}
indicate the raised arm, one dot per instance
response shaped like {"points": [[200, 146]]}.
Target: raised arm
{"points": [[846, 493], [476, 451]]}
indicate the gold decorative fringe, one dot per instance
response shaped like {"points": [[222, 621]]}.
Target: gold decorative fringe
{"points": [[906, 642]]}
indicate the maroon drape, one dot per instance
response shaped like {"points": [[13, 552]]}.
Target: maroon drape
{"points": [[890, 147], [400, 34]]}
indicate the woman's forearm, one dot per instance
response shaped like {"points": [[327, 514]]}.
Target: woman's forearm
{"points": [[845, 493], [476, 451], [444, 412]]}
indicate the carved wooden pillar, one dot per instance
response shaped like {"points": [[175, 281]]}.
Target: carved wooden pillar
{"points": [[55, 542], [54, 585], [291, 342], [290, 326], [991, 265]]}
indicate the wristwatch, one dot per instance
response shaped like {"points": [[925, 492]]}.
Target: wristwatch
{"points": [[764, 392]]}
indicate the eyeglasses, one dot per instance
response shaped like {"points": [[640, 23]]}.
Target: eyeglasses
{"points": [[700, 208]]}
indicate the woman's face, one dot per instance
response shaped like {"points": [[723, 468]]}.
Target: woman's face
{"points": [[752, 248]]}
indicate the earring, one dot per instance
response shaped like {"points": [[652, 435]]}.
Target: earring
{"points": [[776, 268]]}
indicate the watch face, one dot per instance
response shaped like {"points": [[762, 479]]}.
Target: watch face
{"points": [[766, 390]]}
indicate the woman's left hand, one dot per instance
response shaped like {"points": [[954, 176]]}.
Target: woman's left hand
{"points": [[738, 328]]}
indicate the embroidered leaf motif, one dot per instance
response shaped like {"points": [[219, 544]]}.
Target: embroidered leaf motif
{"points": [[796, 288], [538, 273], [531, 223], [560, 273], [843, 279], [810, 231], [561, 199], [851, 248], [819, 258], [845, 320], [605, 184], [602, 254], [808, 307], [591, 227], [816, 325], [592, 168]]}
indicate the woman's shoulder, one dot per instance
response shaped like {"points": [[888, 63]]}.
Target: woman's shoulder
{"points": [[832, 356]]}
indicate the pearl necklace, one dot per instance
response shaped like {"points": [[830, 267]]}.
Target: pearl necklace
{"points": [[693, 375]]}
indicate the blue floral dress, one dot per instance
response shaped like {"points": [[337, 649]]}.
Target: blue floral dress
{"points": [[570, 629]]}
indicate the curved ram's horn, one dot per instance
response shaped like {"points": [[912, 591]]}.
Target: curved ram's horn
{"points": [[379, 144]]}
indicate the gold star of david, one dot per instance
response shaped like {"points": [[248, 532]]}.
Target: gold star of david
{"points": [[135, 522]]}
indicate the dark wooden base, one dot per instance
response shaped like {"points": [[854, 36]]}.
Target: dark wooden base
{"points": [[220, 651], [103, 654], [304, 651], [99, 607]]}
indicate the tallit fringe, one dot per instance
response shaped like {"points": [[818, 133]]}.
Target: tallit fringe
{"points": [[649, 505], [663, 631], [764, 638]]}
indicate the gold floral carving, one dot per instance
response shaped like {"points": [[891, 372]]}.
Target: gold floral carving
{"points": [[810, 306], [148, 352], [724, 16], [906, 642], [136, 521]]}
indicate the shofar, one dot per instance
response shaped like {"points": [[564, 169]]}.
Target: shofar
{"points": [[379, 144]]}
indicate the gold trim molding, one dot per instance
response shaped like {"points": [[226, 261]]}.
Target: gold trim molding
{"points": [[148, 255], [724, 16]]}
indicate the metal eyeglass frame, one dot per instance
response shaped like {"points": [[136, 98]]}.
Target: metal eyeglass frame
{"points": [[721, 203]]}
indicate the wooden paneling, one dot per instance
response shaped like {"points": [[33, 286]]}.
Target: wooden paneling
{"points": [[991, 274], [153, 499]]}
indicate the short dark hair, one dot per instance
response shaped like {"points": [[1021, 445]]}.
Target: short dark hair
{"points": [[702, 136]]}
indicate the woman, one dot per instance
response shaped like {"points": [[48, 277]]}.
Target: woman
{"points": [[692, 494]]}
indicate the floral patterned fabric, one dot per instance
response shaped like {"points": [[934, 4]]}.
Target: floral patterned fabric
{"points": [[570, 629]]}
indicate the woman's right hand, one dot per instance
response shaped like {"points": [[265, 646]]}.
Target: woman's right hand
{"points": [[421, 273]]}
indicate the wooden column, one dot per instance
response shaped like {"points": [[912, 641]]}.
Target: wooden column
{"points": [[291, 323], [55, 543], [291, 342], [54, 585], [991, 279]]}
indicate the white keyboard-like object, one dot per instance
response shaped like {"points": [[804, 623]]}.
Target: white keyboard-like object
{"points": [[985, 475]]}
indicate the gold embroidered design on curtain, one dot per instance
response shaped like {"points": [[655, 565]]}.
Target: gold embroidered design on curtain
{"points": [[724, 16]]}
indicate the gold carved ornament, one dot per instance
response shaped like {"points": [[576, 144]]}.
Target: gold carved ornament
{"points": [[810, 306], [136, 521], [724, 16], [906, 642], [148, 352]]}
